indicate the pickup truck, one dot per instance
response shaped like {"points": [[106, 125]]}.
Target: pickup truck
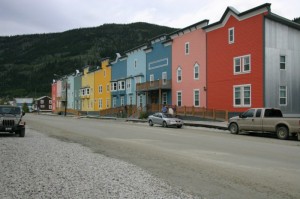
{"points": [[11, 120], [265, 120]]}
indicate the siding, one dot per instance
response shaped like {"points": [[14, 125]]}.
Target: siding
{"points": [[282, 40]]}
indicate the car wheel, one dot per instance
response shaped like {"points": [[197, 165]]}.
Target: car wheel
{"points": [[22, 133], [150, 123], [165, 124], [282, 133], [179, 126], [234, 128]]}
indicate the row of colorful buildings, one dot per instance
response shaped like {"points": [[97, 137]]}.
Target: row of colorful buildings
{"points": [[248, 59]]}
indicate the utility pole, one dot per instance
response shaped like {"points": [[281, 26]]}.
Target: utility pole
{"points": [[66, 104]]}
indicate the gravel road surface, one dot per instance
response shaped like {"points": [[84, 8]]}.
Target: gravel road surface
{"points": [[41, 167]]}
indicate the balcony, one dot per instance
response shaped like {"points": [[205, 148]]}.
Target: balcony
{"points": [[154, 85]]}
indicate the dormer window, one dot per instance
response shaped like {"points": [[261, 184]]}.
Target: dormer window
{"points": [[231, 35]]}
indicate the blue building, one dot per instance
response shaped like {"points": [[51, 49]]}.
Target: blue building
{"points": [[136, 74], [118, 81], [157, 88]]}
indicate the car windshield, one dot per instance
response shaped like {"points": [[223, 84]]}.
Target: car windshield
{"points": [[168, 115], [10, 110]]}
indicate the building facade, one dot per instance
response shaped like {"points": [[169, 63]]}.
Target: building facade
{"points": [[189, 66]]}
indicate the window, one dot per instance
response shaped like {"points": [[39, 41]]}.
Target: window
{"points": [[282, 62], [231, 35], [258, 113], [164, 98], [50, 106], [107, 102], [122, 101], [114, 102], [187, 48], [42, 101], [179, 100], [249, 113], [100, 89], [242, 96], [282, 96], [179, 75], [164, 78], [196, 71], [100, 103], [138, 80], [113, 86], [273, 113], [107, 87], [83, 92], [50, 101], [141, 101], [130, 100], [151, 79], [128, 84], [121, 85], [135, 63], [87, 91], [196, 98], [242, 64]]}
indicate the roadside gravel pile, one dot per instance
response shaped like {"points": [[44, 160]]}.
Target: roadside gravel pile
{"points": [[41, 167]]}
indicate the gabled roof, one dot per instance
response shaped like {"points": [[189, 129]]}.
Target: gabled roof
{"points": [[197, 25], [230, 11], [43, 97]]}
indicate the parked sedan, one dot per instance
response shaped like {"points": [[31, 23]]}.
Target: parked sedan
{"points": [[165, 120]]}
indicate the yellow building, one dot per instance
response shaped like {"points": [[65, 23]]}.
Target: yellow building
{"points": [[102, 86], [87, 89]]}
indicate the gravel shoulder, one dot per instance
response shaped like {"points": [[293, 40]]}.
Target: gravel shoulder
{"points": [[38, 166]]}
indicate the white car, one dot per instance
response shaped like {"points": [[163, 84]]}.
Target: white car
{"points": [[165, 120]]}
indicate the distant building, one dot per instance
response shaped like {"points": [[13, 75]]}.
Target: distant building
{"points": [[43, 103], [20, 101]]}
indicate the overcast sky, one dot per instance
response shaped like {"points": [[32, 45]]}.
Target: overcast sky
{"points": [[19, 17]]}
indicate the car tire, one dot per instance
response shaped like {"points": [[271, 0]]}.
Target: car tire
{"points": [[150, 123], [21, 133], [282, 132], [165, 124], [234, 128], [179, 126]]}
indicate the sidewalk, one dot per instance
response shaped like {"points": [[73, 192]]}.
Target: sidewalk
{"points": [[207, 124]]}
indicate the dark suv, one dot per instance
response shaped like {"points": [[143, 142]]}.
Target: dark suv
{"points": [[11, 120]]}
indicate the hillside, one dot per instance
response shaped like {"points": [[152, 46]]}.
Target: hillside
{"points": [[28, 62]]}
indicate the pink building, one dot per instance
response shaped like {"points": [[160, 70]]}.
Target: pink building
{"points": [[189, 66]]}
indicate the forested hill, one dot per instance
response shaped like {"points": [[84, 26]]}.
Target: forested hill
{"points": [[28, 62]]}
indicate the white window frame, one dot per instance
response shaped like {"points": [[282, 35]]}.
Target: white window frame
{"points": [[194, 94], [283, 88], [177, 74], [180, 98], [121, 85], [128, 85], [83, 92], [122, 100], [280, 62], [187, 48], [231, 35], [151, 79], [164, 78], [100, 89], [87, 91], [242, 64], [138, 80], [114, 86], [100, 105], [196, 71], [242, 95]]}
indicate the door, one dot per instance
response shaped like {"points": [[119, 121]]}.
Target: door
{"points": [[246, 120]]}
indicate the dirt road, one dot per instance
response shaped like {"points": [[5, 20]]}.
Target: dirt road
{"points": [[207, 163]]}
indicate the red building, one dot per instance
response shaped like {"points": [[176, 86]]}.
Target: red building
{"points": [[235, 62], [53, 95]]}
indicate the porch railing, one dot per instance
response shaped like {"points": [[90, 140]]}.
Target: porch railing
{"points": [[153, 85]]}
